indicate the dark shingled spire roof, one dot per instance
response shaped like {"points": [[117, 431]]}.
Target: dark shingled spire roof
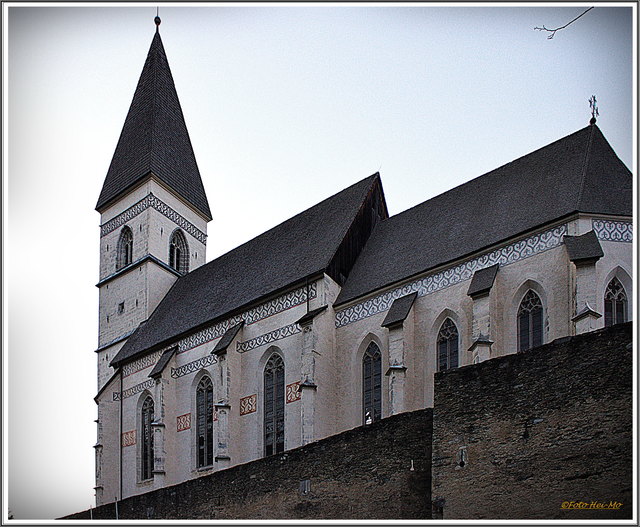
{"points": [[302, 247], [154, 139], [578, 173]]}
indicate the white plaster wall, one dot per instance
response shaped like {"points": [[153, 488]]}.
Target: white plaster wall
{"points": [[105, 356], [328, 366], [131, 288]]}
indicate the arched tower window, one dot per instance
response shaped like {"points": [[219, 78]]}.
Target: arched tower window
{"points": [[371, 384], [274, 405], [125, 248], [179, 252], [530, 331], [146, 469], [204, 422], [615, 303], [448, 346]]}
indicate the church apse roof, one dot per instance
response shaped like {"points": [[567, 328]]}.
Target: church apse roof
{"points": [[155, 140], [304, 246], [578, 173]]}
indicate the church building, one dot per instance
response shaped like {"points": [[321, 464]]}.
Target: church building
{"points": [[341, 315]]}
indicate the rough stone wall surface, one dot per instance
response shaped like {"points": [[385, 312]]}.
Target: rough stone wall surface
{"points": [[364, 473], [517, 436]]}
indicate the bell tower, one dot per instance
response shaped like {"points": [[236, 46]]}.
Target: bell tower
{"points": [[153, 209]]}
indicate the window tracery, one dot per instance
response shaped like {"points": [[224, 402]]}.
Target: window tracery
{"points": [[179, 252], [125, 248], [372, 384], [448, 346], [530, 322], [274, 405], [146, 468], [615, 303], [204, 422]]}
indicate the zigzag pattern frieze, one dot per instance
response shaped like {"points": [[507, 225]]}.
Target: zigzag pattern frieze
{"points": [[613, 231], [193, 366], [435, 282], [267, 338], [152, 201], [133, 390], [267, 309], [140, 364], [207, 334]]}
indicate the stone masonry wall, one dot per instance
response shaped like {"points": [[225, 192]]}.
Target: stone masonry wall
{"points": [[379, 471], [521, 435]]}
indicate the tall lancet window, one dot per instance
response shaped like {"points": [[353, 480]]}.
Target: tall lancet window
{"points": [[274, 405], [615, 303], [204, 422], [125, 248], [371, 384], [530, 331], [448, 346], [179, 252], [146, 468]]}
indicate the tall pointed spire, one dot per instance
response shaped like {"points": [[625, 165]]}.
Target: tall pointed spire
{"points": [[154, 138]]}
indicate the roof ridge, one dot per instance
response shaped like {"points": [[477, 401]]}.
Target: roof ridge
{"points": [[291, 218], [585, 164], [468, 182], [154, 91]]}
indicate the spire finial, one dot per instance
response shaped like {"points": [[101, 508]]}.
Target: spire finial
{"points": [[593, 104], [157, 19]]}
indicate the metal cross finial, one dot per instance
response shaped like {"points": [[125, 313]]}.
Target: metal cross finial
{"points": [[593, 104]]}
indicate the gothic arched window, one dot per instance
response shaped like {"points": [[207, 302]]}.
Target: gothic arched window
{"points": [[371, 384], [615, 303], [179, 252], [530, 331], [448, 346], [204, 422], [125, 248], [146, 469], [274, 405]]}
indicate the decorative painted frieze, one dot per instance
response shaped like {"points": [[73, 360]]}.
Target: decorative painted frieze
{"points": [[280, 304], [183, 422], [140, 364], [268, 338], [133, 390], [129, 438], [435, 282], [613, 231], [193, 366], [260, 312], [152, 201], [248, 404], [207, 335], [293, 392]]}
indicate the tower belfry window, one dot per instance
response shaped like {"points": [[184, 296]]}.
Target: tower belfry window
{"points": [[615, 303], [125, 248], [179, 252], [530, 322], [274, 405]]}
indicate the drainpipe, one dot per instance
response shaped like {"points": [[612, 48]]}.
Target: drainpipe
{"points": [[120, 437]]}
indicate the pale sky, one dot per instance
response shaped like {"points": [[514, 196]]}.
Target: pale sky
{"points": [[285, 106]]}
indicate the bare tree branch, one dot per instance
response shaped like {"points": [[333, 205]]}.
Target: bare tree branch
{"points": [[553, 31]]}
